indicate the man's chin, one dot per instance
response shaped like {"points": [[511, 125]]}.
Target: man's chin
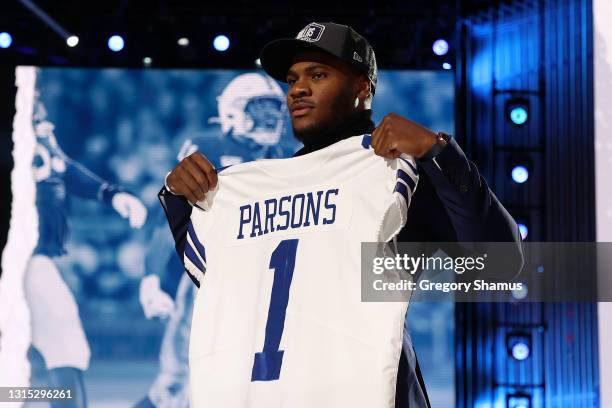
{"points": [[308, 134]]}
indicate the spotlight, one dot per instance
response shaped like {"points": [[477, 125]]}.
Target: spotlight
{"points": [[116, 43], [440, 47], [72, 41], [258, 63], [446, 65], [517, 111], [183, 41], [518, 345], [5, 40], [221, 43], [523, 230], [521, 293], [520, 174], [518, 400], [147, 61]]}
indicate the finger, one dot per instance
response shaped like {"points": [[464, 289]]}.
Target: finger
{"points": [[380, 143], [388, 143], [383, 132], [378, 131], [197, 174], [185, 184], [207, 167], [198, 186], [385, 147], [186, 191], [376, 137]]}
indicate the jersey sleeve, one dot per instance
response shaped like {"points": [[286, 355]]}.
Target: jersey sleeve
{"points": [[195, 254], [406, 181], [178, 213]]}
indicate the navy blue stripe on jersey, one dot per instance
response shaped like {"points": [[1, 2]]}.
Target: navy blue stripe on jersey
{"points": [[366, 141], [414, 169], [193, 278], [196, 241], [401, 174], [191, 255], [220, 169], [402, 189]]}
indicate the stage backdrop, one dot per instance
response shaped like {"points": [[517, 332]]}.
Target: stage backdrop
{"points": [[91, 277]]}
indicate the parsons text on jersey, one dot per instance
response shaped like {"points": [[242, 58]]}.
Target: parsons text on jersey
{"points": [[300, 210]]}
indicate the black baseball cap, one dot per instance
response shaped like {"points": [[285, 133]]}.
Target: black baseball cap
{"points": [[336, 39]]}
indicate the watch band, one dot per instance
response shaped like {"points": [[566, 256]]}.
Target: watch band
{"points": [[442, 139]]}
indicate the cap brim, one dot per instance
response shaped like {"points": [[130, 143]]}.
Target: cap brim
{"points": [[277, 56]]}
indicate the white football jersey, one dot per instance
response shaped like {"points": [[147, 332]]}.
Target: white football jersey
{"points": [[278, 320]]}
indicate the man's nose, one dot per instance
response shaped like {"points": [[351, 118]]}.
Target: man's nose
{"points": [[299, 89]]}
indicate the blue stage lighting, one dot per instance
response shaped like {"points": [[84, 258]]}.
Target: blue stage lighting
{"points": [[520, 174], [520, 351], [524, 231], [521, 293], [517, 111], [518, 345], [116, 43], [440, 47], [518, 115], [221, 43], [518, 401], [5, 40], [446, 65]]}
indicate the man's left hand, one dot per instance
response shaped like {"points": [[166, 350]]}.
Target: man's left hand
{"points": [[396, 135]]}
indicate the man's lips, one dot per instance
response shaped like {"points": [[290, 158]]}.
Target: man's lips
{"points": [[300, 109]]}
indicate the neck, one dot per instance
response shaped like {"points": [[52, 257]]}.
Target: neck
{"points": [[358, 123]]}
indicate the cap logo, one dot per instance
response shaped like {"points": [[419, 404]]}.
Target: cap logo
{"points": [[357, 57], [311, 33]]}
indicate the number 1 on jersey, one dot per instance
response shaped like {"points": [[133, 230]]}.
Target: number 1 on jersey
{"points": [[267, 363]]}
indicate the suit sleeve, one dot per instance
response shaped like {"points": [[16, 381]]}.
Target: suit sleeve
{"points": [[455, 204], [178, 213]]}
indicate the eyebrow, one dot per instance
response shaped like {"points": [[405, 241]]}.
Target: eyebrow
{"points": [[309, 68]]}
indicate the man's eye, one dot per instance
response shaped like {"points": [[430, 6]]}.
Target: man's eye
{"points": [[318, 75], [290, 81]]}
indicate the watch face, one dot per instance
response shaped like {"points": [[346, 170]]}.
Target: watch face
{"points": [[444, 136]]}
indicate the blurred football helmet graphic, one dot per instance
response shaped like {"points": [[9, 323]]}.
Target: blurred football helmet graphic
{"points": [[252, 106]]}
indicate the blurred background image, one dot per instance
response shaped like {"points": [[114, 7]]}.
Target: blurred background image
{"points": [[118, 132]]}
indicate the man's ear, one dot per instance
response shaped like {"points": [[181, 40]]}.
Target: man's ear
{"points": [[362, 85]]}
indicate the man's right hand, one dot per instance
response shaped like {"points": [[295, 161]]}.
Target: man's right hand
{"points": [[193, 177]]}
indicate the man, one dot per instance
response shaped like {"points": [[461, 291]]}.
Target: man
{"points": [[252, 118], [332, 76]]}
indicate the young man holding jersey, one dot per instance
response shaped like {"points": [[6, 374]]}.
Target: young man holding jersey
{"points": [[332, 75]]}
